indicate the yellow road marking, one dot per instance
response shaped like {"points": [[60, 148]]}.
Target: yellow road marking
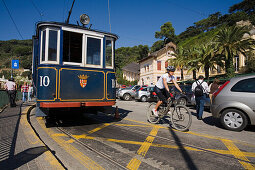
{"points": [[99, 128], [75, 153], [35, 141], [193, 133], [132, 125], [135, 163], [237, 153]]}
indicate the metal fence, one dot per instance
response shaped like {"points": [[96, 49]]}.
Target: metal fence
{"points": [[4, 100]]}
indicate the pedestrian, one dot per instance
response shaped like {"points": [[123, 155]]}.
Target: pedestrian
{"points": [[213, 87], [11, 88], [162, 89], [200, 89], [24, 90], [30, 92]]}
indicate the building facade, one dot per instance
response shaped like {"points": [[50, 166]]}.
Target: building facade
{"points": [[153, 66], [131, 72]]}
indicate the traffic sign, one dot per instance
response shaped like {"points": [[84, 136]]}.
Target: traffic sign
{"points": [[15, 64]]}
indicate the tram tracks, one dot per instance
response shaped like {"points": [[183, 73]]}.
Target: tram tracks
{"points": [[174, 141], [101, 154]]}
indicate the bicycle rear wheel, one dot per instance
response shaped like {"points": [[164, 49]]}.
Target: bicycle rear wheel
{"points": [[150, 116], [181, 118]]}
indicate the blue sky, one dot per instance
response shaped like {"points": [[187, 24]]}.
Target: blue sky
{"points": [[135, 21]]}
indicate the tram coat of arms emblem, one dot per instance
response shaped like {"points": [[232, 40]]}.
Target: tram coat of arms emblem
{"points": [[83, 80]]}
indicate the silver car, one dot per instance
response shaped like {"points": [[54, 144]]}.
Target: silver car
{"points": [[143, 94], [234, 103], [127, 93]]}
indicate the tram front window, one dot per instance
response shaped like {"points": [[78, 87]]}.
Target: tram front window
{"points": [[108, 56], [52, 56], [72, 47], [93, 51]]}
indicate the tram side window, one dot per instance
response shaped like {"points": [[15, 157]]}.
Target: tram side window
{"points": [[93, 51], [53, 44], [108, 55], [43, 44], [72, 47]]}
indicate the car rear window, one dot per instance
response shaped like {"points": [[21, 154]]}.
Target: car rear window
{"points": [[247, 85]]}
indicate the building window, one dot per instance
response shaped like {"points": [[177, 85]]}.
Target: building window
{"points": [[166, 64], [236, 63], [158, 65]]}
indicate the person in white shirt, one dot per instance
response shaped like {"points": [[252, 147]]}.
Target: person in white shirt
{"points": [[200, 100], [11, 88], [30, 92], [161, 88]]}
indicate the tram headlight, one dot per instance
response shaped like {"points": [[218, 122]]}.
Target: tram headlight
{"points": [[84, 19]]}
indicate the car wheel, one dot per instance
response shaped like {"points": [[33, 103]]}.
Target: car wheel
{"points": [[127, 97], [233, 119], [144, 99], [182, 101]]}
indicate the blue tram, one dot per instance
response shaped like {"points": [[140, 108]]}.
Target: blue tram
{"points": [[73, 66]]}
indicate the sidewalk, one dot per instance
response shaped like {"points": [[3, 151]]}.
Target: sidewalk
{"points": [[20, 148]]}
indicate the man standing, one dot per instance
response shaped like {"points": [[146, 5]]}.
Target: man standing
{"points": [[10, 87], [201, 89]]}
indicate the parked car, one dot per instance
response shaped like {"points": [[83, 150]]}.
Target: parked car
{"points": [[144, 93], [234, 103], [180, 98], [127, 93]]}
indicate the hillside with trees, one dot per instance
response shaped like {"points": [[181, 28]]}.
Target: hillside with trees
{"points": [[200, 43]]}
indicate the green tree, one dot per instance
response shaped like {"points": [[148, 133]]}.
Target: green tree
{"points": [[230, 43], [157, 46], [166, 32]]}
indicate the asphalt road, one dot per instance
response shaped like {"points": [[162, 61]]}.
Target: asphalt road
{"points": [[91, 141]]}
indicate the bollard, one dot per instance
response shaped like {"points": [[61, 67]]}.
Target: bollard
{"points": [[117, 115]]}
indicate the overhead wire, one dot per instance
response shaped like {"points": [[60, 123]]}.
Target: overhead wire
{"points": [[37, 9], [12, 20], [109, 14]]}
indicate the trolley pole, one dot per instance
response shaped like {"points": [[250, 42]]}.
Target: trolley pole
{"points": [[67, 21]]}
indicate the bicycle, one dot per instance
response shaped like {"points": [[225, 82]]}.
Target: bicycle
{"points": [[180, 115]]}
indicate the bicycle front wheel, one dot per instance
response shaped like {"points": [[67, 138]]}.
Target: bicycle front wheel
{"points": [[181, 118], [150, 116]]}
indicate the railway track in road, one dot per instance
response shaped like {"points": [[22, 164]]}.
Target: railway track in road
{"points": [[181, 145], [101, 154]]}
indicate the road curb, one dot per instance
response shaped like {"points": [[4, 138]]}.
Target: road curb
{"points": [[49, 158]]}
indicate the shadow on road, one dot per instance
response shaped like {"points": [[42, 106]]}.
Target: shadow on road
{"points": [[16, 161], [188, 160], [76, 117]]}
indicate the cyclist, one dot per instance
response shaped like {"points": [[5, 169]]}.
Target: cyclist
{"points": [[161, 88]]}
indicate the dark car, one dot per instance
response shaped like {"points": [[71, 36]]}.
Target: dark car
{"points": [[182, 98]]}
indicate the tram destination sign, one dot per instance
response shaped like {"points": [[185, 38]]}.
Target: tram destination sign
{"points": [[15, 64]]}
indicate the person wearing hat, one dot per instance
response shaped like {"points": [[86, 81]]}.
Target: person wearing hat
{"points": [[162, 89], [11, 88]]}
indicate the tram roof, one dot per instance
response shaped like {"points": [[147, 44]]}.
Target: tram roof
{"points": [[60, 24]]}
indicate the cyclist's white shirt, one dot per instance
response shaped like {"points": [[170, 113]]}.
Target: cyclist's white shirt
{"points": [[168, 78]]}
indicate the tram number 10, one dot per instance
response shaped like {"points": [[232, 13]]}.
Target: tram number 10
{"points": [[44, 81]]}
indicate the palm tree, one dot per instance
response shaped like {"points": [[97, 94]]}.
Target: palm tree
{"points": [[193, 60], [231, 42], [180, 60]]}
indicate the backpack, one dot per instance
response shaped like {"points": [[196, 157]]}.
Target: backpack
{"points": [[199, 90]]}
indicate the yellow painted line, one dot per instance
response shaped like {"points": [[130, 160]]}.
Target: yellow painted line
{"points": [[99, 128], [34, 141], [194, 133], [135, 163], [75, 153], [133, 125], [225, 152], [238, 154]]}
